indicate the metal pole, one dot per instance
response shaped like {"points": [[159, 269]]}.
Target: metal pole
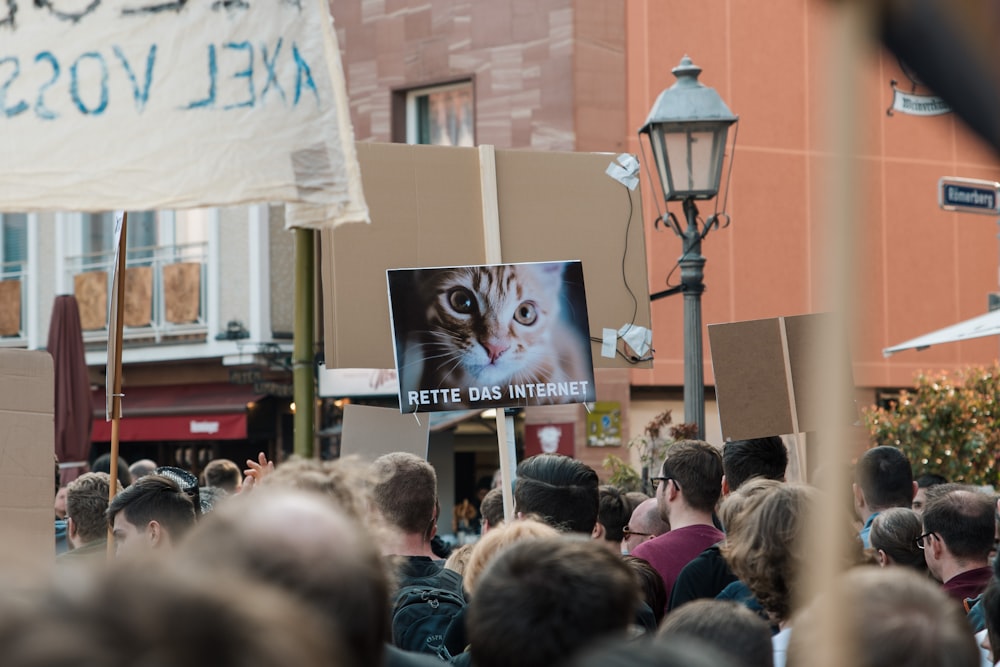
{"points": [[692, 278], [302, 350]]}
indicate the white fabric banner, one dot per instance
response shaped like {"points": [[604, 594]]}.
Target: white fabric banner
{"points": [[152, 104]]}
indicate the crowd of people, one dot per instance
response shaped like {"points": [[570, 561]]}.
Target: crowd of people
{"points": [[336, 563]]}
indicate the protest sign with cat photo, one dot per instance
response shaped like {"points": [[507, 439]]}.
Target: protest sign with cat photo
{"points": [[505, 335]]}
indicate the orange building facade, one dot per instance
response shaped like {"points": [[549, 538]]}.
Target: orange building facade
{"points": [[581, 75]]}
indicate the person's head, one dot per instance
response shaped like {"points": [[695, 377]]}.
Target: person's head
{"points": [[347, 482], [223, 474], [690, 476], [151, 514], [898, 616], [894, 538], [651, 587], [672, 652], [87, 506], [491, 509], [103, 464], [405, 493], [882, 479], [733, 505], [560, 490], [60, 503], [758, 457], [644, 524], [308, 547], [613, 513], [731, 627], [959, 529], [168, 619], [501, 537], [561, 593], [141, 468], [766, 546], [924, 482]]}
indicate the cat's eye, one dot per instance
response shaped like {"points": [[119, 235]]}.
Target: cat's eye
{"points": [[526, 313], [461, 300]]}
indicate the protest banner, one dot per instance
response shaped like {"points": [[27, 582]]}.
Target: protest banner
{"points": [[141, 104], [508, 335]]}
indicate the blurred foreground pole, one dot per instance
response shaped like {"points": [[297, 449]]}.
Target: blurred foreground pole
{"points": [[851, 45]]}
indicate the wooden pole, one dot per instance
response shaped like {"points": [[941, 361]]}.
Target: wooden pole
{"points": [[114, 376]]}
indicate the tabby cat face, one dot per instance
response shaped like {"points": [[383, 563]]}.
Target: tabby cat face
{"points": [[492, 325]]}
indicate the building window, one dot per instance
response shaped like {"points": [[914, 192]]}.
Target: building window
{"points": [[13, 274], [441, 115]]}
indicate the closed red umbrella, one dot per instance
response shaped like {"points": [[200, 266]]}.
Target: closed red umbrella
{"points": [[73, 412]]}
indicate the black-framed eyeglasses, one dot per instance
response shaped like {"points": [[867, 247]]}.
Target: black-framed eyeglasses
{"points": [[658, 480], [920, 540], [628, 532]]}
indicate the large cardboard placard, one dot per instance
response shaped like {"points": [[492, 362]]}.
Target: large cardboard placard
{"points": [[505, 335], [765, 371], [27, 470], [369, 432], [427, 208], [245, 102]]}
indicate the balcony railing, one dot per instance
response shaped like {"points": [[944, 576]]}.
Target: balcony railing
{"points": [[13, 298], [165, 293]]}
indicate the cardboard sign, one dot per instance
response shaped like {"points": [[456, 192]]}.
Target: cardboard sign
{"points": [[763, 375], [494, 336], [427, 206], [27, 445], [370, 432], [246, 101]]}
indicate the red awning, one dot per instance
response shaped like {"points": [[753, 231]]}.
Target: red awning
{"points": [[216, 411]]}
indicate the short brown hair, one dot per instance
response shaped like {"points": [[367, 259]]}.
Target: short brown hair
{"points": [[493, 542], [405, 491], [963, 516], [895, 532], [731, 627], [87, 504], [222, 473], [696, 466]]}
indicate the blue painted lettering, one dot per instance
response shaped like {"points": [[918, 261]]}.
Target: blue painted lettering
{"points": [[139, 93], [243, 74], [213, 72], [272, 75], [74, 86], [302, 74], [41, 110], [21, 106]]}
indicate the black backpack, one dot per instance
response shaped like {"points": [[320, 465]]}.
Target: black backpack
{"points": [[421, 615]]}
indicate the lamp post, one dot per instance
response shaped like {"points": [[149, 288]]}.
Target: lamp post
{"points": [[687, 129]]}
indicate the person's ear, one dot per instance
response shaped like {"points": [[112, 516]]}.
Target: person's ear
{"points": [[156, 534], [725, 486], [916, 488], [71, 528], [937, 546], [883, 559], [598, 532], [859, 496]]}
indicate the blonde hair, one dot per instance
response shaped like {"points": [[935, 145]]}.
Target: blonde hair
{"points": [[498, 539]]}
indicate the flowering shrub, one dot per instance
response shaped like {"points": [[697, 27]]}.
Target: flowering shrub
{"points": [[946, 424], [652, 445]]}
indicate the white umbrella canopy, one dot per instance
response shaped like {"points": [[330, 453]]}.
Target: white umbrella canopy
{"points": [[977, 327]]}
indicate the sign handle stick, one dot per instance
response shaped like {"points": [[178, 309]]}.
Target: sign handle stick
{"points": [[508, 459], [491, 238], [115, 324]]}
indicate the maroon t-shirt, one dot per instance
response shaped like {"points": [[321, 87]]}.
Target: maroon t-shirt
{"points": [[968, 584], [670, 552]]}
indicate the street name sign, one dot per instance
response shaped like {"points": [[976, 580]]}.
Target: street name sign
{"points": [[969, 195]]}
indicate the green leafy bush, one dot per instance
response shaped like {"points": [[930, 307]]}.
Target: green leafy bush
{"points": [[947, 424]]}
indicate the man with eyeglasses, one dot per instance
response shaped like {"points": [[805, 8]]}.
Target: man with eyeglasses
{"points": [[644, 524], [688, 488], [959, 529]]}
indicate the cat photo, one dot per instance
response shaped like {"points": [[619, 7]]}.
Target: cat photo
{"points": [[503, 335]]}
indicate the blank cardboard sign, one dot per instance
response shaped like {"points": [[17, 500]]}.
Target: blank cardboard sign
{"points": [[370, 432], [763, 370], [426, 205], [27, 477]]}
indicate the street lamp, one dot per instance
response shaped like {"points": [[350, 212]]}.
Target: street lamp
{"points": [[687, 130]]}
